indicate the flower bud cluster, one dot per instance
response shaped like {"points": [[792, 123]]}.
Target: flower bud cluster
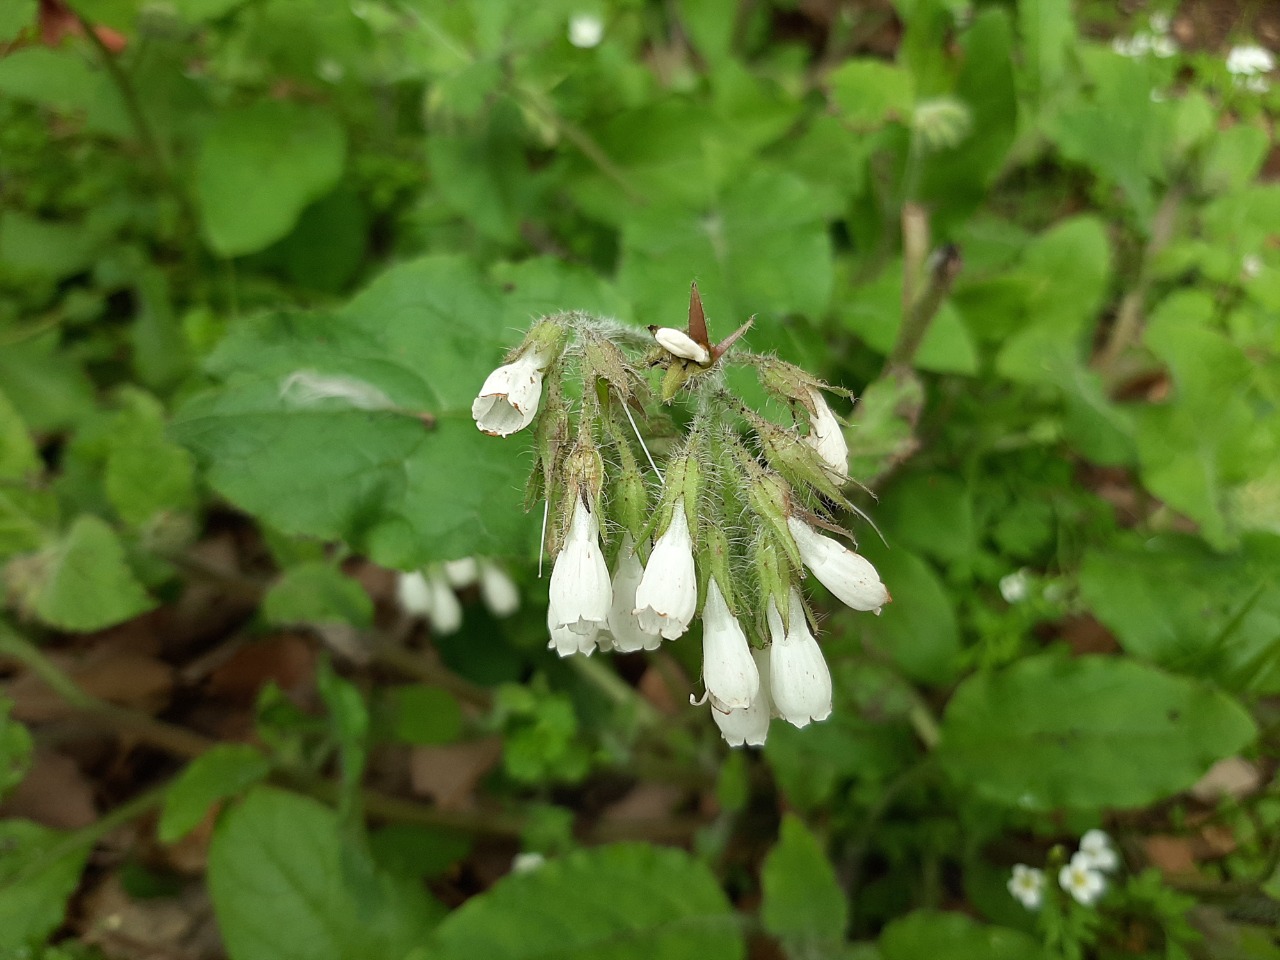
{"points": [[669, 503]]}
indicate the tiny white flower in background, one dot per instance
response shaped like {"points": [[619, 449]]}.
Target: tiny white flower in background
{"points": [[1081, 880], [728, 669], [586, 30], [1027, 886], [498, 590], [1133, 47], [461, 573], [1250, 60], [580, 591], [748, 726], [667, 597], [429, 596], [1251, 265], [628, 637], [509, 398], [1096, 848], [1164, 47], [681, 344], [800, 680], [826, 437], [848, 575], [413, 593], [1015, 587], [527, 862]]}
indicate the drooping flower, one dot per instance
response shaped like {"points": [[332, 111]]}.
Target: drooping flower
{"points": [[826, 437], [681, 344], [580, 591], [461, 573], [848, 575], [667, 596], [430, 597], [749, 725], [1027, 886], [586, 30], [728, 669], [498, 590], [1097, 849], [508, 401], [801, 683], [1081, 880], [567, 642], [628, 637]]}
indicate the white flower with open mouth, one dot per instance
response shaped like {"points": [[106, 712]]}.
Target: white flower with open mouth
{"points": [[1081, 880], [801, 681], [848, 575], [1027, 886], [667, 597], [827, 438], [748, 726], [628, 637], [508, 401], [728, 669], [580, 591]]}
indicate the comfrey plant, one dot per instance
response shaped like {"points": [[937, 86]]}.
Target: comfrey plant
{"points": [[729, 525]]}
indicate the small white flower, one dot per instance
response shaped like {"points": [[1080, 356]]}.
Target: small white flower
{"points": [[1134, 48], [1015, 587], [1250, 60], [508, 401], [461, 573], [527, 862], [682, 345], [748, 726], [1027, 886], [848, 575], [1081, 880], [728, 669], [826, 437], [430, 597], [801, 681], [586, 30], [1159, 23], [1251, 265], [580, 592], [1164, 47], [628, 637], [498, 590], [1096, 848], [667, 596]]}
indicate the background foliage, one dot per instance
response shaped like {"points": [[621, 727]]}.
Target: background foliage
{"points": [[208, 202]]}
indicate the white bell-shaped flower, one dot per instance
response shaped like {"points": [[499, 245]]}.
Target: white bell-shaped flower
{"points": [[667, 597], [567, 642], [580, 591], [748, 726], [429, 596], [682, 345], [509, 398], [498, 591], [827, 438], [800, 682], [848, 575], [728, 669], [461, 573], [624, 625]]}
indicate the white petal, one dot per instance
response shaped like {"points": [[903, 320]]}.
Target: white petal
{"points": [[728, 669], [461, 573], [848, 575], [499, 591], [827, 438], [567, 642], [628, 637], [446, 611], [748, 726], [667, 597], [801, 684], [580, 592], [508, 401], [414, 593], [682, 345]]}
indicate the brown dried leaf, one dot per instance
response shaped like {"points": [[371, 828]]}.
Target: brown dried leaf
{"points": [[54, 792], [450, 773]]}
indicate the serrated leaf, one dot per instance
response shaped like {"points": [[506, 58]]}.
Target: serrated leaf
{"points": [[259, 166], [622, 902], [803, 906], [1088, 733], [38, 874], [281, 890], [86, 583], [317, 593], [934, 935], [224, 771]]}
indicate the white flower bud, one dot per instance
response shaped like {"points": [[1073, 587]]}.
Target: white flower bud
{"points": [[800, 681], [667, 597], [728, 669], [848, 575], [580, 591], [628, 637], [586, 30], [748, 726], [508, 401], [413, 593], [461, 573], [498, 590], [682, 345], [827, 438], [430, 597]]}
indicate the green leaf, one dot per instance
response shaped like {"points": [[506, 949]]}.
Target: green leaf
{"points": [[15, 749], [259, 166], [317, 593], [85, 582], [226, 770], [886, 413], [869, 93], [934, 935], [63, 80], [1234, 157], [48, 388], [416, 851], [803, 906], [621, 902], [38, 874], [28, 519], [145, 473], [54, 249], [16, 16], [18, 456], [1088, 733], [281, 891], [422, 714], [1048, 32], [931, 514]]}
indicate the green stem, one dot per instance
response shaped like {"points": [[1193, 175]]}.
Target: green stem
{"points": [[915, 324]]}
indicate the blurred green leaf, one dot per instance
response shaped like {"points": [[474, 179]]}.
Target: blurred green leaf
{"points": [[17, 15], [422, 714], [145, 473], [47, 248], [39, 872], [225, 771], [317, 593], [15, 749], [18, 457], [934, 935], [803, 906], [417, 851], [63, 80], [868, 93], [1048, 32], [1234, 157], [85, 583], [874, 312]]}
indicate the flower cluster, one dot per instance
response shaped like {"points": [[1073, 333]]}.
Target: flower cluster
{"points": [[1249, 66], [430, 593], [729, 526], [1083, 877]]}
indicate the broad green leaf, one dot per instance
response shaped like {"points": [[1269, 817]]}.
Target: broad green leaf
{"points": [[28, 519], [622, 902], [18, 456], [119, 14], [1174, 602], [64, 81], [349, 727], [327, 247], [1048, 32], [545, 285], [934, 935], [85, 582], [15, 749], [47, 386], [1234, 157], [803, 906], [16, 16], [30, 246], [38, 874], [317, 593], [930, 514], [710, 24], [869, 93], [224, 771], [281, 889], [145, 473], [195, 11], [259, 166], [421, 714], [1087, 733], [416, 851]]}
